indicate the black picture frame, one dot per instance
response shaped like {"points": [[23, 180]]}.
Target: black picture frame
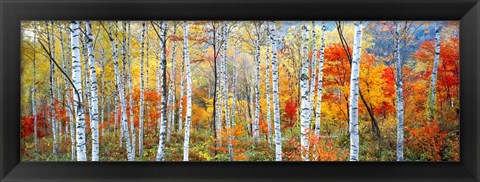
{"points": [[13, 11]]}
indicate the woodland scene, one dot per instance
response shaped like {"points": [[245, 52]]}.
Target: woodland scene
{"points": [[240, 91]]}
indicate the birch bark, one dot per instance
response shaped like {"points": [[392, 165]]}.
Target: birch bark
{"points": [[142, 92], [399, 92], [354, 89], [276, 105], [318, 110], [94, 93], [163, 119], [189, 93], [257, 90], [431, 104], [51, 40], [305, 109], [77, 81]]}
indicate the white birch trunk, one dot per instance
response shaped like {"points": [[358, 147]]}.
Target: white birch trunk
{"points": [[255, 125], [305, 109], [52, 92], [132, 123], [147, 85], [234, 98], [354, 90], [94, 93], [318, 110], [226, 92], [189, 93], [77, 81], [276, 105], [220, 95], [163, 119], [142, 94], [399, 92], [431, 104]]}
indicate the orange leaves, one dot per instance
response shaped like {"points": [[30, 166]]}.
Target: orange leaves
{"points": [[428, 139]]}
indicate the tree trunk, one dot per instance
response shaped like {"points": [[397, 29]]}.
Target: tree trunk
{"points": [[189, 93], [130, 98], [399, 92], [51, 40], [431, 104], [234, 98], [304, 94], [226, 92], [354, 89], [94, 93], [255, 128], [142, 92], [220, 95], [77, 81], [276, 105], [318, 111], [163, 119]]}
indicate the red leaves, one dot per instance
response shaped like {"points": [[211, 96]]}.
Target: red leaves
{"points": [[27, 124], [428, 138], [290, 114]]}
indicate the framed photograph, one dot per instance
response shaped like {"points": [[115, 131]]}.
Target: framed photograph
{"points": [[239, 90]]}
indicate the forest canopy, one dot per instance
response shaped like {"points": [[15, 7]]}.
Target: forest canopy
{"points": [[240, 91]]}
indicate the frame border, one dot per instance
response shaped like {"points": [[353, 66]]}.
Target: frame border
{"points": [[12, 12]]}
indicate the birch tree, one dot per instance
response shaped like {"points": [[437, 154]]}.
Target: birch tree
{"points": [[399, 92], [132, 125], [51, 41], [256, 120], [304, 94], [161, 78], [276, 105], [94, 93], [431, 104], [318, 110], [226, 91], [34, 91], [189, 93], [142, 94], [77, 81], [354, 89]]}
